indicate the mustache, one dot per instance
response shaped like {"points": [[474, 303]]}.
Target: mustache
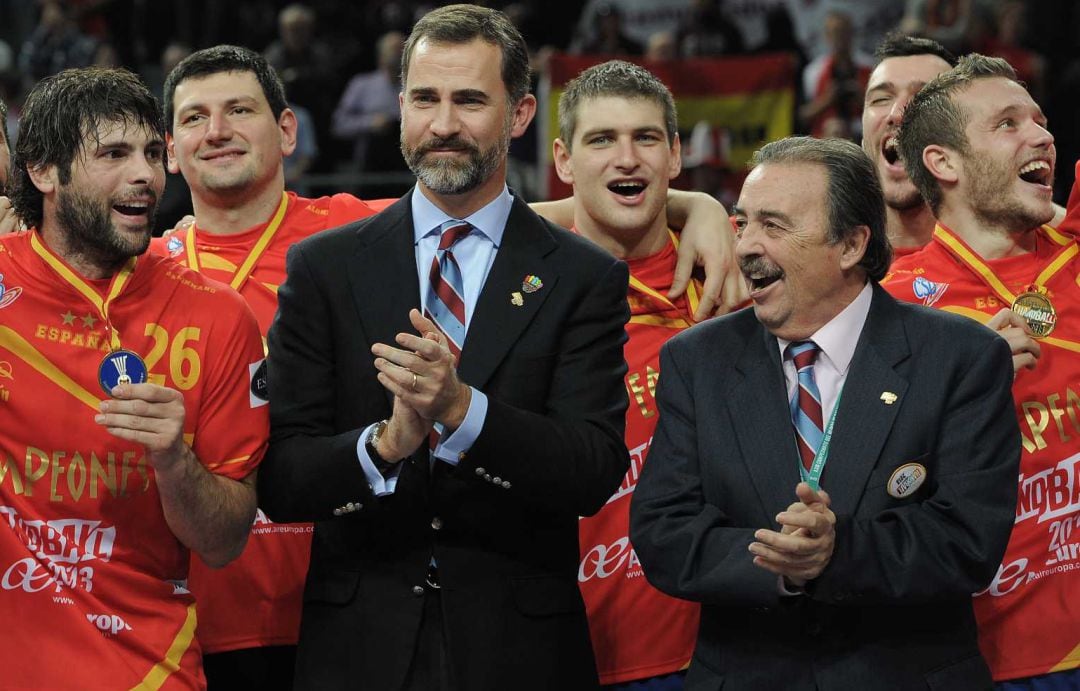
{"points": [[454, 143], [758, 265]]}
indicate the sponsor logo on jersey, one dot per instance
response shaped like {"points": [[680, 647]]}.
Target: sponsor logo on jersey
{"points": [[174, 246], [630, 480], [928, 291], [258, 392], [60, 547], [8, 295], [607, 560], [108, 624]]}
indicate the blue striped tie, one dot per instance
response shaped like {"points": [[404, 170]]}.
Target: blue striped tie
{"points": [[806, 410], [445, 304]]}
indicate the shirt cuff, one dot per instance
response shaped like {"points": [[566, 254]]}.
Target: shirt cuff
{"points": [[452, 447], [381, 486]]}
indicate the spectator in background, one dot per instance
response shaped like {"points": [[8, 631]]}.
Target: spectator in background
{"points": [[299, 162], [707, 32], [949, 22], [1005, 42], [368, 113], [55, 44], [662, 46], [304, 62], [833, 83], [610, 39]]}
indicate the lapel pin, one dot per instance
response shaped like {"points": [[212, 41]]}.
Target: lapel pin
{"points": [[888, 397], [531, 284], [516, 299]]}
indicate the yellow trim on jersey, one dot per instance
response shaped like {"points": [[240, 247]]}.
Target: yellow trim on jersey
{"points": [[116, 286], [974, 262], [692, 299], [1071, 661], [241, 275], [231, 461], [1057, 237], [161, 671], [215, 261], [22, 349], [656, 320]]}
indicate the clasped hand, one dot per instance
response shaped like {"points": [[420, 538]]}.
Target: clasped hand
{"points": [[802, 548]]}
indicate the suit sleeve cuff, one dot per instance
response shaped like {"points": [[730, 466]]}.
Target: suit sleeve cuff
{"points": [[380, 486], [452, 447]]}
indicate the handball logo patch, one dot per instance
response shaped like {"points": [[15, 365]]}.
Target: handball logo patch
{"points": [[928, 291], [8, 295], [174, 246], [259, 394], [906, 479]]}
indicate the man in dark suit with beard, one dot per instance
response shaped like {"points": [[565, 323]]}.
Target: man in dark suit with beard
{"points": [[445, 475]]}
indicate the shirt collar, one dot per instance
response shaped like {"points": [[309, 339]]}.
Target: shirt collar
{"points": [[489, 219], [839, 336]]}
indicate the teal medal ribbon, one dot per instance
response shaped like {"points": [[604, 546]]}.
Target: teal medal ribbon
{"points": [[812, 477]]}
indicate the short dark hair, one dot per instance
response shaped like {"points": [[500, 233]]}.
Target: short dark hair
{"points": [[61, 112], [898, 45], [855, 197], [614, 78], [210, 61], [934, 117], [457, 24]]}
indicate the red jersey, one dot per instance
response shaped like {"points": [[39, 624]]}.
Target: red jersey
{"points": [[637, 631], [1029, 616], [256, 600], [91, 577]]}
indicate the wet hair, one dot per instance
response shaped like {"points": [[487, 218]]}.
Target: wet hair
{"points": [[211, 61], [934, 117], [897, 45], [62, 114], [614, 78], [854, 193], [458, 24]]}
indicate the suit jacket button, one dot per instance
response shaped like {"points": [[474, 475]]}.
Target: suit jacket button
{"points": [[487, 477], [418, 590], [480, 471], [337, 512], [497, 480], [436, 523], [506, 484]]}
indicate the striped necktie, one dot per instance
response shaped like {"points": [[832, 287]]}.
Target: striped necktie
{"points": [[806, 412], [445, 303]]}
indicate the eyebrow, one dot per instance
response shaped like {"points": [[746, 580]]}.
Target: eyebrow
{"points": [[460, 93], [764, 213], [648, 129], [235, 100]]}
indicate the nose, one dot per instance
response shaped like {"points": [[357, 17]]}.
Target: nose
{"points": [[747, 242], [1041, 137], [220, 128], [445, 121], [626, 158], [896, 111], [143, 169]]}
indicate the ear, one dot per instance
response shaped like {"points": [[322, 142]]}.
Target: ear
{"points": [[287, 125], [523, 114], [675, 164], [563, 166], [45, 178], [941, 162], [170, 154], [854, 247]]}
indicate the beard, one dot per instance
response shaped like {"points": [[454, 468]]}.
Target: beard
{"points": [[992, 200], [453, 176], [902, 198], [90, 233]]}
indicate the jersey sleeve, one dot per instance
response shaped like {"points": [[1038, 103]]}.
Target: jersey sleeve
{"points": [[233, 423], [345, 208]]}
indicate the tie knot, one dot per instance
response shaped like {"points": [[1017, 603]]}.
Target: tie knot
{"points": [[451, 232], [803, 353]]}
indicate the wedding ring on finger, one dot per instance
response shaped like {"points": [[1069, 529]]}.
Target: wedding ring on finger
{"points": [[414, 381]]}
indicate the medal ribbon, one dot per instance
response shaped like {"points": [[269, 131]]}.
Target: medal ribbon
{"points": [[812, 477], [959, 249], [242, 274], [692, 298], [116, 285]]}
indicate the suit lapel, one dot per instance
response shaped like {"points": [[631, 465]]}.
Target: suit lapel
{"points": [[382, 275], [498, 322], [864, 421], [758, 410]]}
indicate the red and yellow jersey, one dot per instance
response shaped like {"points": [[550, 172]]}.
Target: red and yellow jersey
{"points": [[89, 571], [637, 631], [256, 600], [1029, 616]]}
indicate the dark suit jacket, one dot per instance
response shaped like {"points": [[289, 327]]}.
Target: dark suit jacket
{"points": [[505, 538], [892, 610]]}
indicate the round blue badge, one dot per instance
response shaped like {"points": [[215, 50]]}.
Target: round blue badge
{"points": [[121, 367]]}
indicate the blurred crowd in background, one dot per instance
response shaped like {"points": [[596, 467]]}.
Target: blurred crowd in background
{"points": [[340, 61]]}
